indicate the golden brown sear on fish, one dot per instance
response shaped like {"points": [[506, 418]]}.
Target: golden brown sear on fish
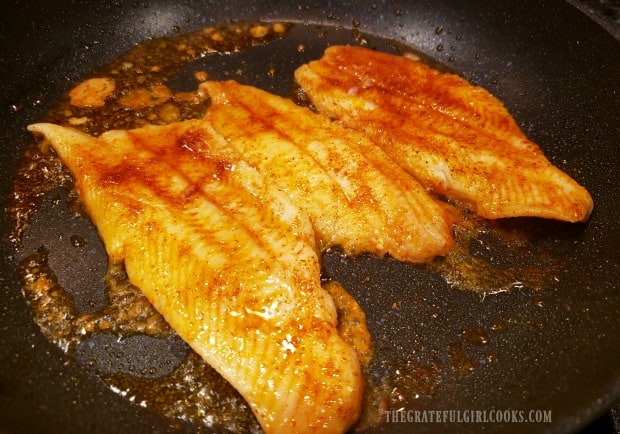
{"points": [[228, 260], [454, 138], [357, 197]]}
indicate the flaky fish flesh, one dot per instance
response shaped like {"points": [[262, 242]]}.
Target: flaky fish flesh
{"points": [[228, 261], [357, 197], [454, 138]]}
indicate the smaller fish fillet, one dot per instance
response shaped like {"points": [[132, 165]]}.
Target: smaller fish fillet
{"points": [[356, 196], [227, 260], [454, 138]]}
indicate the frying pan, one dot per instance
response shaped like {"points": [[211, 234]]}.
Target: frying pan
{"points": [[556, 70]]}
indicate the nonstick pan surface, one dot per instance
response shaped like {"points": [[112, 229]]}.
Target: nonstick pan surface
{"points": [[553, 347]]}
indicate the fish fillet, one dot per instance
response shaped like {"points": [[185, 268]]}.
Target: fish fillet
{"points": [[356, 196], [228, 261], [453, 137]]}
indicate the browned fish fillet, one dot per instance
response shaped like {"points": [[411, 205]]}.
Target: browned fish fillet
{"points": [[228, 261], [453, 137], [356, 196]]}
